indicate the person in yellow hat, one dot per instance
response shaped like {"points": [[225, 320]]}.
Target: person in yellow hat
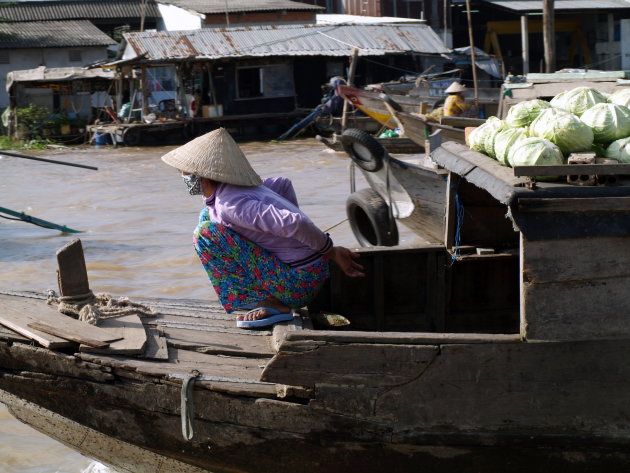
{"points": [[258, 248], [455, 104]]}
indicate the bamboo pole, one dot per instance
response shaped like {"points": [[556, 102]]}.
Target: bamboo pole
{"points": [[353, 68], [472, 50], [549, 39]]}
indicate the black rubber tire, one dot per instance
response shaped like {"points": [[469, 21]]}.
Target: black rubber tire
{"points": [[368, 215], [363, 149]]}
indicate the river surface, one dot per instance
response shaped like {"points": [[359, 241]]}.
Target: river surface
{"points": [[138, 219]]}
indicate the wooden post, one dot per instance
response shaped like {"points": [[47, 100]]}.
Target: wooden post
{"points": [[472, 50], [72, 274], [525, 43], [353, 68], [549, 40]]}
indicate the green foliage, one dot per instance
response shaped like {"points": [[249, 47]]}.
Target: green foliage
{"points": [[33, 116], [38, 143]]}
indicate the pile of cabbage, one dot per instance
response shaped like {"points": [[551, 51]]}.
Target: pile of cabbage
{"points": [[537, 132]]}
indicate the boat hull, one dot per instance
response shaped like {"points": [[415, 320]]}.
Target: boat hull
{"points": [[449, 414]]}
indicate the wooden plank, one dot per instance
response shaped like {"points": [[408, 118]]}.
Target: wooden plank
{"points": [[131, 337], [17, 313], [72, 274], [400, 338], [570, 260], [307, 363], [33, 310], [576, 310], [575, 289], [238, 344], [73, 336], [7, 334], [182, 362], [572, 169], [462, 122], [581, 205], [157, 348]]}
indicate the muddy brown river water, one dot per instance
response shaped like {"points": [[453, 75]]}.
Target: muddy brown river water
{"points": [[137, 219]]}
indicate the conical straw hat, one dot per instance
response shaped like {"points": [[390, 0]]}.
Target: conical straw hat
{"points": [[455, 87], [215, 156]]}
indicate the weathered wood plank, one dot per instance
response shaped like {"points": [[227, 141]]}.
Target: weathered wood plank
{"points": [[575, 289], [576, 310], [307, 363], [573, 169], [237, 344], [7, 334], [130, 334], [570, 259], [21, 357], [581, 205], [72, 274], [401, 338], [71, 335], [157, 347], [25, 310], [17, 313], [182, 362]]}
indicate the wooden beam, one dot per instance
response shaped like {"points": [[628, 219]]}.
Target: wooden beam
{"points": [[589, 204], [573, 169]]}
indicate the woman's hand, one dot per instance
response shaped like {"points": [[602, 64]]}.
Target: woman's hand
{"points": [[344, 258]]}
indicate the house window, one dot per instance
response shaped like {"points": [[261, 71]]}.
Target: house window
{"points": [[265, 81], [5, 58], [74, 55]]}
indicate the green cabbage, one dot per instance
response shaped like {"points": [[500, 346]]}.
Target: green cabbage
{"points": [[482, 138], [563, 129], [534, 152], [619, 150], [609, 122], [620, 97], [578, 100], [522, 114], [504, 140]]}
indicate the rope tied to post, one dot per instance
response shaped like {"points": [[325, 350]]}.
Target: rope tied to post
{"points": [[91, 308]]}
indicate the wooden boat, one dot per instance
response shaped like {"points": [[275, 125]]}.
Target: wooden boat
{"points": [[505, 347], [392, 145], [373, 102]]}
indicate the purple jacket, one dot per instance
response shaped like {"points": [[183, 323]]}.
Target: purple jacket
{"points": [[269, 216]]}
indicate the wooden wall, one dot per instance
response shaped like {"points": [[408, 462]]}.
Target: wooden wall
{"points": [[575, 289]]}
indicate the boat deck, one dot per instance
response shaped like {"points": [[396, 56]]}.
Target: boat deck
{"points": [[183, 338]]}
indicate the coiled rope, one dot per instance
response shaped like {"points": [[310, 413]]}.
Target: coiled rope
{"points": [[90, 307]]}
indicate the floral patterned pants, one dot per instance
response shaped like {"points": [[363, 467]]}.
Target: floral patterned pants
{"points": [[244, 275]]}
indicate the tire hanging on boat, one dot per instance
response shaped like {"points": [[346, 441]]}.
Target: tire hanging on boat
{"points": [[369, 219], [363, 149]]}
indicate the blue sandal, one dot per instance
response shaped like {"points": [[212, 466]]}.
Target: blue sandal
{"points": [[275, 317]]}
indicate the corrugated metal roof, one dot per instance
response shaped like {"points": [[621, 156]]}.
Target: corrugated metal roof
{"points": [[76, 10], [289, 40], [573, 5], [52, 34], [235, 6]]}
